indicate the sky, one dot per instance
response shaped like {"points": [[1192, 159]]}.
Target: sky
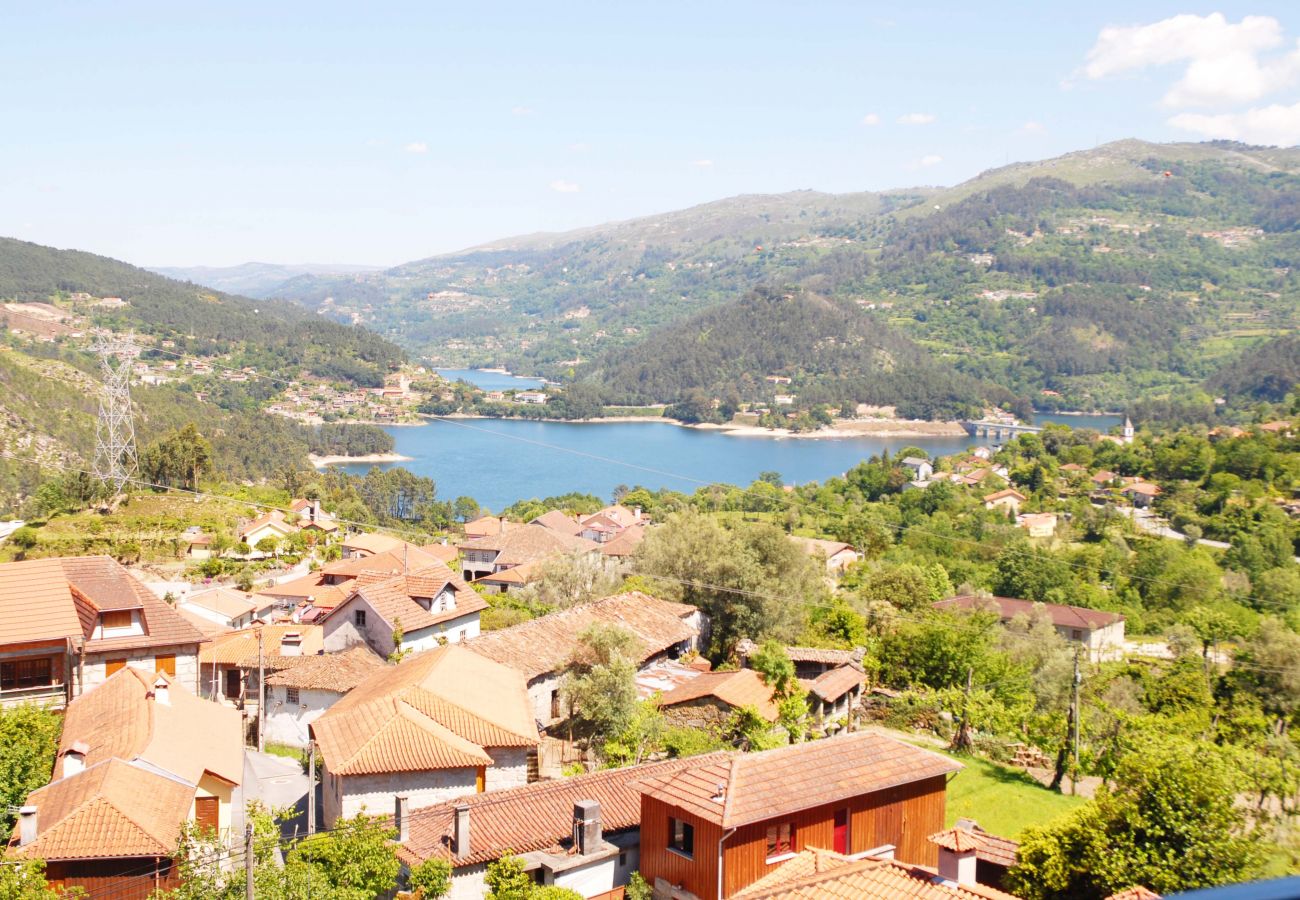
{"points": [[167, 133]]}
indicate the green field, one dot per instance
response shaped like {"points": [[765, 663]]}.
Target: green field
{"points": [[1004, 801]]}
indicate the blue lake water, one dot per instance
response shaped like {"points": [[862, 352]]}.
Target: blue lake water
{"points": [[490, 381], [499, 461]]}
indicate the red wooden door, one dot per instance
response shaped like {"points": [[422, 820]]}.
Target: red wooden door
{"points": [[842, 831]]}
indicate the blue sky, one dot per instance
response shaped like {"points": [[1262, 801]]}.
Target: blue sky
{"points": [[183, 134]]}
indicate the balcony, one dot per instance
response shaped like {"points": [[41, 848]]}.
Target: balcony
{"points": [[48, 694]]}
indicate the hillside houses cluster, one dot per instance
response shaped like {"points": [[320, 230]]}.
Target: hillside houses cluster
{"points": [[314, 403]]}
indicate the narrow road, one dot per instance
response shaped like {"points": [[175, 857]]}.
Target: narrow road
{"points": [[1152, 524]]}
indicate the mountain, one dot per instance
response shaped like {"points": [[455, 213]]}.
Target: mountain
{"points": [[253, 279], [50, 382], [1085, 281]]}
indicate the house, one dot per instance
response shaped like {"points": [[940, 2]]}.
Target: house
{"points": [[129, 773], [511, 579], [994, 855], [334, 582], [272, 525], [1007, 498], [67, 624], [541, 649], [1104, 478], [440, 725], [355, 546], [1100, 632], [556, 520], [1141, 493], [228, 607], [833, 695], [197, 544], [920, 469], [625, 544], [536, 823], [229, 663], [516, 546], [536, 397], [823, 873], [300, 694], [1038, 525], [836, 555], [710, 699], [715, 829], [809, 662], [487, 526], [1074, 470], [429, 607]]}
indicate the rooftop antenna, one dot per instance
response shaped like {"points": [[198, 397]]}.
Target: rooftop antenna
{"points": [[115, 458]]}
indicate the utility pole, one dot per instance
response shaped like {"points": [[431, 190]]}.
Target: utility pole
{"points": [[1074, 721], [311, 790], [261, 691], [962, 739], [248, 861]]}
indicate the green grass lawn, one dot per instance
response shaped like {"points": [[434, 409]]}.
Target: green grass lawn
{"points": [[1004, 801]]}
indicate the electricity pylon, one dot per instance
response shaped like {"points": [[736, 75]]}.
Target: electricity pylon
{"points": [[115, 459]]}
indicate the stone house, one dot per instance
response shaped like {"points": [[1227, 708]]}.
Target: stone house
{"points": [[300, 694]]}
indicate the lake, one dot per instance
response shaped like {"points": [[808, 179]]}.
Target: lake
{"points": [[491, 381], [499, 461]]}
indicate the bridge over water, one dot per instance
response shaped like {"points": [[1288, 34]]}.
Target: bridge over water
{"points": [[998, 431]]}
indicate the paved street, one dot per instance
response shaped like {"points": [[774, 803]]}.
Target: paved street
{"points": [[279, 783]]}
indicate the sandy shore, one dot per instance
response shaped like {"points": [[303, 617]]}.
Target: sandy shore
{"points": [[321, 462], [841, 428]]}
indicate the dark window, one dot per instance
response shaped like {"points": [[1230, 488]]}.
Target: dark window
{"points": [[1078, 635], [780, 840], [25, 673], [360, 618], [622, 859], [115, 618], [291, 696], [681, 837]]}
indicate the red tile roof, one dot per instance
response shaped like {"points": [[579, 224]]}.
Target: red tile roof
{"points": [[535, 816], [1003, 494], [1008, 608], [337, 672], [822, 875], [991, 847], [239, 648], [834, 683], [758, 786], [529, 543], [739, 688], [396, 598], [547, 644]]}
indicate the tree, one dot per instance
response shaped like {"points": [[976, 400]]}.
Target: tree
{"points": [[1270, 667], [772, 663], [25, 539], [268, 545], [25, 880], [600, 686], [432, 878], [507, 880], [29, 740], [466, 508], [1171, 824], [903, 586]]}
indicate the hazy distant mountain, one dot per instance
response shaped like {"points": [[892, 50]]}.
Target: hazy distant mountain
{"points": [[253, 279]]}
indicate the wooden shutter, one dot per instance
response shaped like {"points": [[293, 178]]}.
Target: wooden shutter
{"points": [[113, 666], [207, 812], [165, 664], [480, 779]]}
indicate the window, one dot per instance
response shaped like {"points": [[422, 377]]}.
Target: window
{"points": [[165, 664], [113, 666], [681, 838], [780, 841], [1078, 635], [622, 859], [26, 673], [115, 618], [360, 618], [291, 696]]}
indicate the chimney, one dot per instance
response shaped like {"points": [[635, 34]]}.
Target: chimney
{"points": [[460, 830], [74, 758], [586, 827], [402, 818], [162, 692], [958, 865], [26, 825], [315, 510]]}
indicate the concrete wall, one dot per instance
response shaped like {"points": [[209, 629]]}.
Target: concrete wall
{"points": [[342, 631], [596, 878], [451, 632], [468, 882], [375, 793], [187, 665], [286, 724]]}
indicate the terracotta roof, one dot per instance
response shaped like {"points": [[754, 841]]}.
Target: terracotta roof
{"points": [[991, 848], [337, 672], [444, 553], [438, 709], [396, 598], [487, 526], [274, 519], [1073, 467], [514, 575], [529, 543], [822, 875], [224, 601], [1142, 487], [821, 655], [372, 543], [546, 644], [819, 547], [112, 809], [1105, 476], [558, 521], [51, 599], [758, 786], [834, 683], [404, 558], [626, 543], [1137, 892], [618, 514], [534, 816], [742, 687], [1003, 494], [120, 719], [1008, 608], [239, 648], [310, 588], [958, 840]]}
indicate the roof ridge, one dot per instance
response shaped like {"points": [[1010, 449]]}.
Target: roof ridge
{"points": [[452, 703], [729, 794]]}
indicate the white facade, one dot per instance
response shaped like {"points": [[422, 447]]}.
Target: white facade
{"points": [[344, 629], [287, 723]]}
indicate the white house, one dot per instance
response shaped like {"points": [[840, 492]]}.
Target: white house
{"points": [[299, 695], [228, 607], [438, 726], [1100, 632], [430, 607], [920, 468]]}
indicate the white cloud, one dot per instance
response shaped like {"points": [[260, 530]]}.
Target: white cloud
{"points": [[521, 111], [702, 163], [416, 147], [564, 187], [916, 118], [871, 119], [1223, 64], [1275, 124], [1032, 127], [930, 159]]}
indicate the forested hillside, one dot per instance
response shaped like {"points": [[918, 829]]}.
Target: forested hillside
{"points": [[831, 353], [1088, 281]]}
